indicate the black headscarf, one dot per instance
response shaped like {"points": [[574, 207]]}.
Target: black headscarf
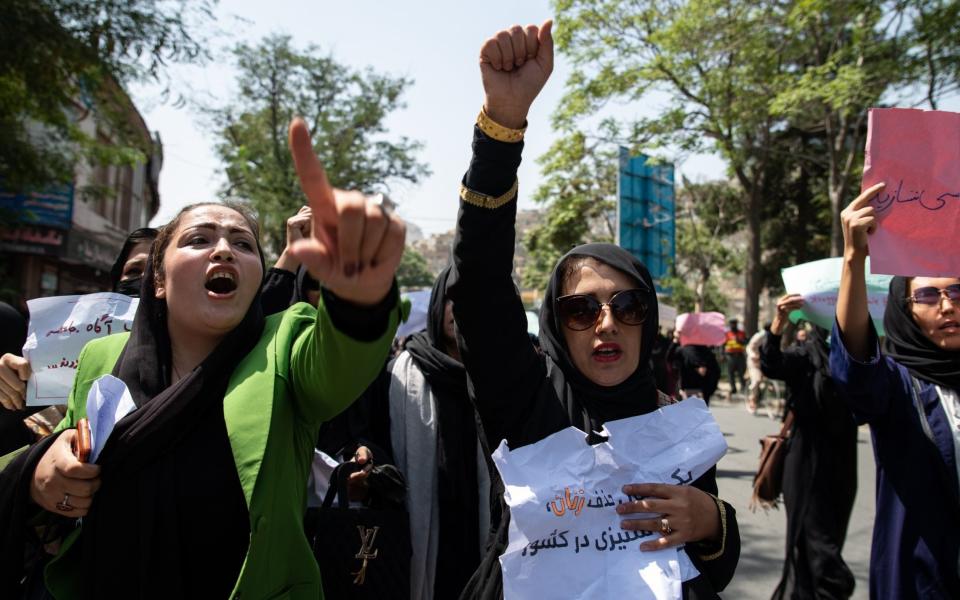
{"points": [[134, 524], [13, 330], [906, 343], [459, 537], [303, 283], [130, 287], [818, 349], [428, 347], [638, 394]]}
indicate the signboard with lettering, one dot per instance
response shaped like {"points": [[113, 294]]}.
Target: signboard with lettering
{"points": [[565, 539], [645, 212], [59, 328], [51, 207], [32, 239], [915, 153]]}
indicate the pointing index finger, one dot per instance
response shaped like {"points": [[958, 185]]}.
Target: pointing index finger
{"points": [[313, 178], [867, 196]]}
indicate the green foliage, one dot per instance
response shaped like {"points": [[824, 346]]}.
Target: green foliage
{"points": [[580, 191], [686, 299], [61, 60], [779, 89], [413, 271], [708, 214], [344, 109]]}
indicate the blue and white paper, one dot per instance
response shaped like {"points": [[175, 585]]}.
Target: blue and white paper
{"points": [[108, 401]]}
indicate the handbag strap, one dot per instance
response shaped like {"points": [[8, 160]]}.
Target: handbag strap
{"points": [[338, 485], [787, 426]]}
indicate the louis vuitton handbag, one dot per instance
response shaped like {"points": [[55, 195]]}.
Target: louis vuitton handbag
{"points": [[363, 553], [768, 482]]}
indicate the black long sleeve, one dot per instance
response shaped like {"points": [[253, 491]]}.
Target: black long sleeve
{"points": [[277, 290], [506, 376]]}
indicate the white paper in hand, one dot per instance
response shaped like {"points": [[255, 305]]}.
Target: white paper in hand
{"points": [[108, 401], [59, 328], [565, 539]]}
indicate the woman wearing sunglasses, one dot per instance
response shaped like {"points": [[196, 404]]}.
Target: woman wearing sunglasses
{"points": [[907, 392], [597, 329]]}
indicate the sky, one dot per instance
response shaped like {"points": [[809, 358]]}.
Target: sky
{"points": [[435, 43]]}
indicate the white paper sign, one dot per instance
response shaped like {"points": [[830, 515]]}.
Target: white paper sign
{"points": [[565, 539], [59, 328], [108, 401]]}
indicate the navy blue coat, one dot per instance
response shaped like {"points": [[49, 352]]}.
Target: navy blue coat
{"points": [[916, 534]]}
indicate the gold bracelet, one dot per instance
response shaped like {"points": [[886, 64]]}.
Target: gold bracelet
{"points": [[723, 524], [496, 130], [484, 201]]}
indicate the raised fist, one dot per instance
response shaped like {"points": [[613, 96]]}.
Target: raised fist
{"points": [[515, 64]]}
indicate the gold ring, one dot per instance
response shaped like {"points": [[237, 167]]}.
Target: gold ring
{"points": [[665, 528]]}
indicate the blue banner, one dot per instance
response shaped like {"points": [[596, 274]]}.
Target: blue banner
{"points": [[646, 211], [52, 207]]}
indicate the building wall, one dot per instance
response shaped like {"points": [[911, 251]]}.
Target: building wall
{"points": [[74, 256]]}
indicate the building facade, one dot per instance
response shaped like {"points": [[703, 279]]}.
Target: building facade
{"points": [[64, 240]]}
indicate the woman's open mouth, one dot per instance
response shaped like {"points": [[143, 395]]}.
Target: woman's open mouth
{"points": [[607, 353], [221, 284]]}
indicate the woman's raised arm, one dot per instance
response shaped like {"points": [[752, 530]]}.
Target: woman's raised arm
{"points": [[859, 220]]}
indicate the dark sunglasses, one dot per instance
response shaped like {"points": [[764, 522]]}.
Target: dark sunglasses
{"points": [[579, 311], [931, 295]]}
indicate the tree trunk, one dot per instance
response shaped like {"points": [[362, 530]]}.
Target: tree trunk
{"points": [[701, 290], [836, 229], [754, 274]]}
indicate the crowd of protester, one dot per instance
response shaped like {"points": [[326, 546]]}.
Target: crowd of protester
{"points": [[248, 379]]}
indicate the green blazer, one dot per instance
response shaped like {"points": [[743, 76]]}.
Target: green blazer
{"points": [[301, 373]]}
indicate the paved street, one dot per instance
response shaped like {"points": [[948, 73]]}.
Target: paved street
{"points": [[762, 533]]}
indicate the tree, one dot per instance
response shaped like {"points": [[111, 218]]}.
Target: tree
{"points": [[844, 65], [414, 271], [344, 109], [718, 62], [580, 191], [61, 59], [748, 78], [707, 215], [850, 56]]}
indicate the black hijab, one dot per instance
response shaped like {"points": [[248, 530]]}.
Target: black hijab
{"points": [[458, 493], [906, 343], [303, 282], [135, 523], [818, 349], [428, 347], [130, 287], [638, 393], [13, 330]]}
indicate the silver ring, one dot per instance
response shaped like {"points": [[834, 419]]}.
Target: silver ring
{"points": [[383, 202], [665, 528], [65, 505]]}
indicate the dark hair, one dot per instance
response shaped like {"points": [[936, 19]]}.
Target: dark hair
{"points": [[167, 231], [137, 236], [571, 265]]}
